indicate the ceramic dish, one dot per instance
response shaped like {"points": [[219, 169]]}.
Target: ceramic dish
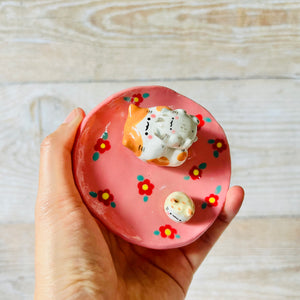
{"points": [[127, 195]]}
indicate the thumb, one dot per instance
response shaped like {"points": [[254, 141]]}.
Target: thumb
{"points": [[56, 177]]}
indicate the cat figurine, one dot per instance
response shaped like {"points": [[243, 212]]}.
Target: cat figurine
{"points": [[160, 135], [179, 207]]}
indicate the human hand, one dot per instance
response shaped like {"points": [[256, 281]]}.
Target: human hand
{"points": [[78, 258]]}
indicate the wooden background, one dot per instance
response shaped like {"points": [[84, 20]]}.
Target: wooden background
{"points": [[239, 59]]}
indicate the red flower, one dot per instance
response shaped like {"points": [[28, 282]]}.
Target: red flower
{"points": [[201, 121], [145, 187], [219, 145], [136, 99], [167, 231], [102, 145], [105, 197], [195, 173], [212, 200]]}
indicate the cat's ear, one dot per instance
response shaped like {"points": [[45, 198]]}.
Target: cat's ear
{"points": [[160, 108], [137, 113], [132, 109]]}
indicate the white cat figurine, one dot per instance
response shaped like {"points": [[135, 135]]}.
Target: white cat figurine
{"points": [[159, 134]]}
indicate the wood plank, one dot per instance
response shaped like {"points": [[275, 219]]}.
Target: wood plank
{"points": [[255, 259], [42, 41], [16, 261], [261, 119]]}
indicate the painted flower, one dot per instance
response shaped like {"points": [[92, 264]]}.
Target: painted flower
{"points": [[102, 145], [201, 121], [219, 145], [195, 173], [212, 200], [105, 197], [167, 231], [145, 187], [136, 99]]}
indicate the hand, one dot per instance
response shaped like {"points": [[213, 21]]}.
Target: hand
{"points": [[78, 258]]}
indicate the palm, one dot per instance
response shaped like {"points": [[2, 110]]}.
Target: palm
{"points": [[141, 273], [146, 273]]}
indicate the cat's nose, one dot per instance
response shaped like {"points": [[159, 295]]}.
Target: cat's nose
{"points": [[159, 120]]}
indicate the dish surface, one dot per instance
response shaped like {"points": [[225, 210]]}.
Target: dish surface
{"points": [[127, 195]]}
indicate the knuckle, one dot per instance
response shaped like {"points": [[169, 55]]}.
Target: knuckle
{"points": [[49, 141]]}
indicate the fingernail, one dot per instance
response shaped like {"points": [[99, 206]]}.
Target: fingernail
{"points": [[71, 116]]}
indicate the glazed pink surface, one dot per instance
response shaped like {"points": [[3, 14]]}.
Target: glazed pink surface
{"points": [[114, 171]]}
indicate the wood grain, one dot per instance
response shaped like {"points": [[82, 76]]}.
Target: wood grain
{"points": [[261, 119], [81, 40], [255, 259], [239, 59]]}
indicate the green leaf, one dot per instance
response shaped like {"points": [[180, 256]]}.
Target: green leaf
{"points": [[96, 156], [93, 194], [218, 189], [140, 178], [202, 166], [105, 135], [216, 154], [127, 98], [146, 95], [211, 141], [207, 120]]}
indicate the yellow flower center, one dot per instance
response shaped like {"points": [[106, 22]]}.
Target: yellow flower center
{"points": [[196, 172], [102, 146], [145, 187], [105, 196], [168, 232], [212, 200], [219, 145], [136, 99]]}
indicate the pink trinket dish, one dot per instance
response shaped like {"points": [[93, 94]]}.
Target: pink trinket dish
{"points": [[153, 166]]}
